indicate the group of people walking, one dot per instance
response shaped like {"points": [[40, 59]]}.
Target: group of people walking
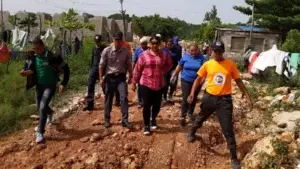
{"points": [[153, 71]]}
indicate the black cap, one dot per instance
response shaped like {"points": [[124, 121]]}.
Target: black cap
{"points": [[218, 45], [118, 36], [98, 38]]}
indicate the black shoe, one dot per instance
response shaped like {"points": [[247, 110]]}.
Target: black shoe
{"points": [[117, 104], [88, 108], [153, 125], [192, 118], [127, 125], [147, 131], [182, 122], [191, 138], [107, 124], [235, 164]]}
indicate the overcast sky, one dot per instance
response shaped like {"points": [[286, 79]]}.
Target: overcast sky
{"points": [[191, 11]]}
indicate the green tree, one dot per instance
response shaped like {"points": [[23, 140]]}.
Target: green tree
{"points": [[87, 16], [292, 42], [118, 16], [29, 21], [273, 14], [212, 16], [167, 27], [69, 22], [13, 19]]}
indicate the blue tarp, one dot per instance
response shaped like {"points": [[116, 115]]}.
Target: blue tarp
{"points": [[248, 28]]}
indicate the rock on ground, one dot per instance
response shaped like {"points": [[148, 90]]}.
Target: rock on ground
{"points": [[252, 160], [289, 118]]}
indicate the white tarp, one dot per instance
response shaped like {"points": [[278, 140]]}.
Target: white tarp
{"points": [[270, 58], [20, 38], [49, 36]]}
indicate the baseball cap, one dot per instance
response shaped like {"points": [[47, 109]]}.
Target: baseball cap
{"points": [[118, 36], [158, 35], [144, 40], [218, 45], [97, 38]]}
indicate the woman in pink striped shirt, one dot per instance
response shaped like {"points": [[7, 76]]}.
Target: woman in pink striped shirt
{"points": [[150, 69]]}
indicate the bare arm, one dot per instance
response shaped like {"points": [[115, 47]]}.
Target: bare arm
{"points": [[177, 70], [243, 88], [102, 64], [129, 65], [133, 65], [197, 83]]}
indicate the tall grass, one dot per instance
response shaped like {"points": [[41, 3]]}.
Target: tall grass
{"points": [[17, 104]]}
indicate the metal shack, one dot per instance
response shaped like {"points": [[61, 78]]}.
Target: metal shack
{"points": [[238, 39]]}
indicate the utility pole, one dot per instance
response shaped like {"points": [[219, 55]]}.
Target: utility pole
{"points": [[252, 24], [2, 20], [123, 17]]}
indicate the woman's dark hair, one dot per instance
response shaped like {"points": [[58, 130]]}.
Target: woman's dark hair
{"points": [[169, 40], [155, 38], [38, 41]]}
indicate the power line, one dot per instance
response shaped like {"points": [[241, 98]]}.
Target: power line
{"points": [[45, 2], [89, 4]]}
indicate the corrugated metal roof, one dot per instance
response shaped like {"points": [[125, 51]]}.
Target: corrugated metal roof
{"points": [[248, 28]]}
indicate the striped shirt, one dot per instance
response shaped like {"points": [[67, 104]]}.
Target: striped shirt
{"points": [[150, 69]]}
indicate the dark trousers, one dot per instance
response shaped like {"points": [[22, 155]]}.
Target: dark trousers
{"points": [[117, 95], [173, 85], [139, 93], [94, 76], [169, 85], [152, 101], [223, 107], [113, 84], [187, 108], [44, 94]]}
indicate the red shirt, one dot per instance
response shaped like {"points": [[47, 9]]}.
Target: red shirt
{"points": [[150, 69]]}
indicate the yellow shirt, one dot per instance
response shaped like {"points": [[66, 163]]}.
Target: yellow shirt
{"points": [[219, 75]]}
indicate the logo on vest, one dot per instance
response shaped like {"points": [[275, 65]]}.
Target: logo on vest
{"points": [[219, 79]]}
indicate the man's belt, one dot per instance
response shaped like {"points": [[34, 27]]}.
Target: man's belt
{"points": [[116, 74]]}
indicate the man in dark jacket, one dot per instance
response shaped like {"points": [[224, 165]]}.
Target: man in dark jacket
{"points": [[42, 70], [94, 73], [177, 50]]}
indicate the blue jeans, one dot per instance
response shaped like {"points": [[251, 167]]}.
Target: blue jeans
{"points": [[44, 94]]}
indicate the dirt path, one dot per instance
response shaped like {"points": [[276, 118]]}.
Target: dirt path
{"points": [[68, 147]]}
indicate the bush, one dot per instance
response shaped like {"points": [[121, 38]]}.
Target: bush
{"points": [[292, 42], [16, 104]]}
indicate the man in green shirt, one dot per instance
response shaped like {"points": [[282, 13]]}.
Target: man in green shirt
{"points": [[42, 69]]}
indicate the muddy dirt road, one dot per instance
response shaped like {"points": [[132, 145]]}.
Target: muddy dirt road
{"points": [[69, 146]]}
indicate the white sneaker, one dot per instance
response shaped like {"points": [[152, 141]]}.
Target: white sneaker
{"points": [[147, 131], [39, 137], [154, 127]]}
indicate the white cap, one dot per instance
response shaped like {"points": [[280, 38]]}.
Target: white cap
{"points": [[144, 39], [158, 35]]}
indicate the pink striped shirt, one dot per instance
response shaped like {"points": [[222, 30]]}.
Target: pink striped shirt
{"points": [[150, 69]]}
